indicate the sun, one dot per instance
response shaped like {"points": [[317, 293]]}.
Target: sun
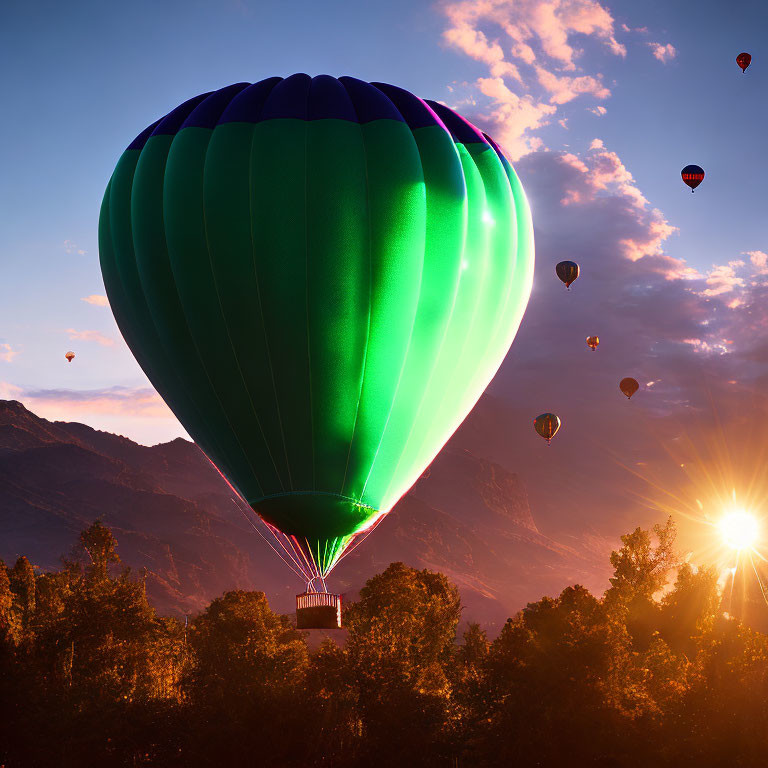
{"points": [[739, 529]]}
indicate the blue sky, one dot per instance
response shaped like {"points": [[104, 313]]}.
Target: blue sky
{"points": [[80, 79]]}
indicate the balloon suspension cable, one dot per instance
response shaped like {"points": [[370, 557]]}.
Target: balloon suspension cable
{"points": [[289, 559], [292, 554]]}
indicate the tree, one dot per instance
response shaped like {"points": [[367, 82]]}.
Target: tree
{"points": [[400, 642], [690, 609], [640, 568], [98, 548], [640, 571], [22, 583], [547, 679], [245, 682]]}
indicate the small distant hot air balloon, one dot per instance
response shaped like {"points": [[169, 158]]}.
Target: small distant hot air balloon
{"points": [[547, 425], [592, 342], [567, 271], [629, 386], [70, 356], [692, 175], [744, 60]]}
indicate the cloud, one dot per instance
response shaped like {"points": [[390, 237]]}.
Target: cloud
{"points": [[602, 171], [529, 49], [96, 336], [664, 53], [563, 89], [759, 260], [67, 404], [475, 44], [598, 110], [515, 117], [96, 299], [7, 352], [723, 279], [70, 247]]}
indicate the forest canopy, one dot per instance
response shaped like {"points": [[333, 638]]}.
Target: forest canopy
{"points": [[651, 673]]}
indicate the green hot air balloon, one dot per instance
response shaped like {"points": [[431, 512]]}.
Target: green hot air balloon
{"points": [[320, 276]]}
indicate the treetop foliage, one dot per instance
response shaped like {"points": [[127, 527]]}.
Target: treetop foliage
{"points": [[651, 673]]}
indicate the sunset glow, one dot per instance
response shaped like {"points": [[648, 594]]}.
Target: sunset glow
{"points": [[739, 529]]}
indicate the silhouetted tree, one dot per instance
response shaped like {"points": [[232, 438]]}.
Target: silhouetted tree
{"points": [[641, 569]]}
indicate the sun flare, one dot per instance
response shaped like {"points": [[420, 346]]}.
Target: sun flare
{"points": [[739, 529]]}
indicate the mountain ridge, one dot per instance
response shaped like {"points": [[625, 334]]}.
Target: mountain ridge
{"points": [[174, 515]]}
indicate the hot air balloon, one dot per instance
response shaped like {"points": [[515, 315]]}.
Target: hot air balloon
{"points": [[593, 342], [629, 386], [320, 277], [547, 425], [70, 356], [744, 60], [692, 175], [567, 271]]}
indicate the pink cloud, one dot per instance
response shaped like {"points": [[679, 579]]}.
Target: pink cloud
{"points": [[664, 53], [602, 171], [96, 299], [514, 117], [723, 279], [759, 260], [96, 336], [68, 404], [513, 37], [563, 89], [598, 110], [476, 45], [7, 352]]}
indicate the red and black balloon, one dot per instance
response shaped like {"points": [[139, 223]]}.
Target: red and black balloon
{"points": [[692, 175]]}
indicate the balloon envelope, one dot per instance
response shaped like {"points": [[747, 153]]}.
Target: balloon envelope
{"points": [[629, 386], [547, 425], [744, 60], [320, 276], [567, 271], [692, 175], [593, 342], [70, 356]]}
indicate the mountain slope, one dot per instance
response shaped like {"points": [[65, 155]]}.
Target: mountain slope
{"points": [[174, 516]]}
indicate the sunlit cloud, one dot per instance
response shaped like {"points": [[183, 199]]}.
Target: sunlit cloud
{"points": [[723, 279], [96, 336], [529, 50], [664, 53], [96, 299], [759, 260], [515, 117], [599, 110], [563, 88], [7, 352], [70, 403]]}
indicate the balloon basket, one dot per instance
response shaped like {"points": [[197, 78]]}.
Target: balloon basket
{"points": [[318, 610]]}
